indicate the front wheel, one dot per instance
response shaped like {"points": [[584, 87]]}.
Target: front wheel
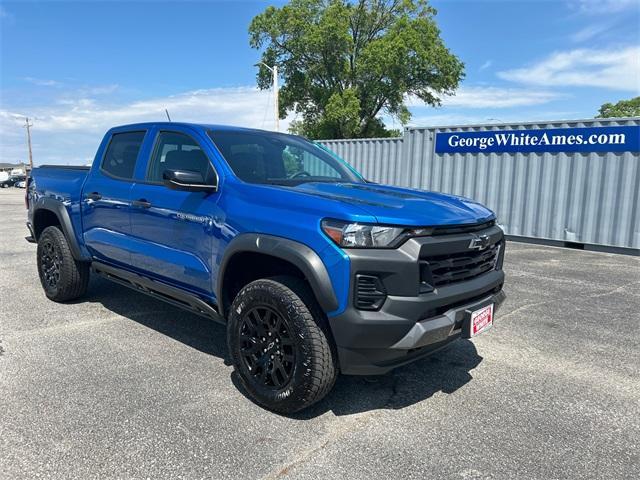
{"points": [[279, 344], [62, 277]]}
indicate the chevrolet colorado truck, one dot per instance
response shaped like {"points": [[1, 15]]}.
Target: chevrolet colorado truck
{"points": [[312, 269]]}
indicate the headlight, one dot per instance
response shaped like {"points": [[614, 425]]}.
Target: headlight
{"points": [[362, 235]]}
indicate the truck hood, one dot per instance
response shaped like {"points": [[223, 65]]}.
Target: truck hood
{"points": [[401, 206]]}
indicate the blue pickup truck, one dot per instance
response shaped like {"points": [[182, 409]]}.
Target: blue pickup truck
{"points": [[313, 269]]}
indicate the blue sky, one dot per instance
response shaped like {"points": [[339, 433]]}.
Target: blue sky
{"points": [[80, 67]]}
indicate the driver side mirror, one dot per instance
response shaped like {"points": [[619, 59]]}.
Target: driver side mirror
{"points": [[187, 180]]}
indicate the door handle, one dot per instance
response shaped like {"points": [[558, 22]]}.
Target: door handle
{"points": [[142, 203], [94, 196]]}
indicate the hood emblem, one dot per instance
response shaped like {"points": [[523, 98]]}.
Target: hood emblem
{"points": [[479, 242]]}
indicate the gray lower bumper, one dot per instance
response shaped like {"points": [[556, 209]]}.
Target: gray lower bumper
{"points": [[440, 328], [373, 343]]}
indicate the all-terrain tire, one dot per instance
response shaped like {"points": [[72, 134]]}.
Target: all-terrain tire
{"points": [[63, 278], [313, 369]]}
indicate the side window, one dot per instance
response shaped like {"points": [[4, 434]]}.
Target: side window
{"points": [[122, 152], [250, 161], [177, 151]]}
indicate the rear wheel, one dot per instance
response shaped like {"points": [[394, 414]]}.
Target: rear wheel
{"points": [[279, 344], [62, 277]]}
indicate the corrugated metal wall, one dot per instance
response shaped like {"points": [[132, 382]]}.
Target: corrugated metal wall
{"points": [[378, 159], [591, 198]]}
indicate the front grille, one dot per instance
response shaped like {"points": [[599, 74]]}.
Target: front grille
{"points": [[456, 229], [458, 267]]}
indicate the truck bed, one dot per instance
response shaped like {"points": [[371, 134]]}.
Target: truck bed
{"points": [[61, 181], [66, 167]]}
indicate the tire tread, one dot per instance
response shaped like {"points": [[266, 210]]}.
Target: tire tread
{"points": [[309, 318], [74, 275]]}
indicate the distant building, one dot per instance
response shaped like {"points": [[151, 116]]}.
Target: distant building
{"points": [[14, 168]]}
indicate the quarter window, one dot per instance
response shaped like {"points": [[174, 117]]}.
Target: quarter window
{"points": [[122, 153], [177, 151]]}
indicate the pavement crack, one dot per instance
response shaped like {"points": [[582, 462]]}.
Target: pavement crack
{"points": [[617, 289], [549, 302], [524, 307], [79, 325], [339, 429]]}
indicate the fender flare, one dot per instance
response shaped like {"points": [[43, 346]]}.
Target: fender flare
{"points": [[296, 253], [57, 207]]}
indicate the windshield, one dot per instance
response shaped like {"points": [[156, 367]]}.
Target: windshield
{"points": [[276, 158]]}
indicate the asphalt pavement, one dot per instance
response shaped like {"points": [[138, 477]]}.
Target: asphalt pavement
{"points": [[120, 385]]}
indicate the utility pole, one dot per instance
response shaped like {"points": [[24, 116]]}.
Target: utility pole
{"points": [[28, 126], [276, 101]]}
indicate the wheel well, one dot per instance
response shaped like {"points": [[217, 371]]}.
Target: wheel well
{"points": [[245, 267], [42, 219]]}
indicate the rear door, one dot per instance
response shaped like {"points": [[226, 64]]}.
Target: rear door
{"points": [[106, 197], [173, 232]]}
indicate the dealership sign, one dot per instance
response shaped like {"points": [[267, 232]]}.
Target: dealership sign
{"points": [[591, 139]]}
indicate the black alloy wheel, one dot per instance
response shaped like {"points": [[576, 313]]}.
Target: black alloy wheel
{"points": [[51, 261], [280, 345], [267, 348]]}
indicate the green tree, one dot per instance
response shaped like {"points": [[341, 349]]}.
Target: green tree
{"points": [[345, 63], [624, 108]]}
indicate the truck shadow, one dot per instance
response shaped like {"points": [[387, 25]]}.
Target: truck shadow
{"points": [[193, 330], [445, 371]]}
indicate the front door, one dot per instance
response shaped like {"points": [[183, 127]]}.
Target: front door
{"points": [[172, 230]]}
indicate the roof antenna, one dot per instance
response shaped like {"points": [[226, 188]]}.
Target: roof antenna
{"points": [[167, 112]]}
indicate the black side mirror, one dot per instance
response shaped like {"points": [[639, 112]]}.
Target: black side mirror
{"points": [[187, 180]]}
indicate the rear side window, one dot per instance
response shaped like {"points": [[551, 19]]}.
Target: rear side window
{"points": [[120, 158]]}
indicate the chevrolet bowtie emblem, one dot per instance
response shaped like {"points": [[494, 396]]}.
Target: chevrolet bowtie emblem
{"points": [[479, 242]]}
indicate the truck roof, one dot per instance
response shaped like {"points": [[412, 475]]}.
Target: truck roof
{"points": [[197, 126]]}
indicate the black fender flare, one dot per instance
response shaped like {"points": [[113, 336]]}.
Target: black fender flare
{"points": [[296, 253], [57, 207]]}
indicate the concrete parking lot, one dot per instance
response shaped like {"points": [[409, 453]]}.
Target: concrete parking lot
{"points": [[122, 385]]}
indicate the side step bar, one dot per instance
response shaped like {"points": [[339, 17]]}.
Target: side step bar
{"points": [[153, 288]]}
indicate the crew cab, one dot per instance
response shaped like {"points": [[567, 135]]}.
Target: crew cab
{"points": [[312, 269]]}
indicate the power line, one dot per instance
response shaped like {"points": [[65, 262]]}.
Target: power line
{"points": [[276, 95]]}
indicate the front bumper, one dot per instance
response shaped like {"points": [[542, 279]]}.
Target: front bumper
{"points": [[410, 324]]}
